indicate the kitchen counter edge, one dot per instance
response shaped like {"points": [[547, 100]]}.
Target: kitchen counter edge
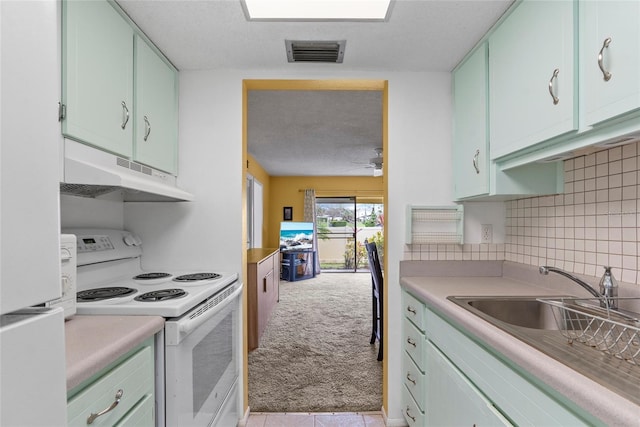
{"points": [[94, 342], [594, 398]]}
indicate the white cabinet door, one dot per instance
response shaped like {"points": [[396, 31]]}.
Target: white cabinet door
{"points": [[530, 101], [29, 167], [98, 76], [156, 136], [452, 400], [611, 58], [470, 128]]}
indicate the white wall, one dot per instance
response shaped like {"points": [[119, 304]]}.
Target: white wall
{"points": [[207, 232], [419, 172], [103, 212], [209, 229]]}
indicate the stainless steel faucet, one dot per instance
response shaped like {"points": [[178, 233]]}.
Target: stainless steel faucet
{"points": [[607, 299]]}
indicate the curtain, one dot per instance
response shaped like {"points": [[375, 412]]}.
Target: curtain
{"points": [[310, 216]]}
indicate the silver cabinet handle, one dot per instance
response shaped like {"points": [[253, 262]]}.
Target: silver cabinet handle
{"points": [[93, 416], [605, 74], [411, 379], [125, 115], [475, 161], [411, 310], [147, 128], [553, 95], [411, 342], [409, 415]]}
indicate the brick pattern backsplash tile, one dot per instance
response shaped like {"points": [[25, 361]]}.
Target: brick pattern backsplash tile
{"points": [[594, 223]]}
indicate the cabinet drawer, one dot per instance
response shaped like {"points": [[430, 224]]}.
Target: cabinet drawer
{"points": [[134, 376], [413, 341], [410, 410], [413, 309], [414, 380], [141, 415]]}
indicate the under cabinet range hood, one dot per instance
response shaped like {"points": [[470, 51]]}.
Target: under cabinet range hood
{"points": [[89, 172]]}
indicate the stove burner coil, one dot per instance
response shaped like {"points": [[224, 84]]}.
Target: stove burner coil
{"points": [[196, 277], [161, 295], [99, 294], [151, 276]]}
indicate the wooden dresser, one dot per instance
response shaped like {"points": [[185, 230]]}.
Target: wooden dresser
{"points": [[263, 275]]}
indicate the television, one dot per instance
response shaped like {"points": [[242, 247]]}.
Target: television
{"points": [[296, 235]]}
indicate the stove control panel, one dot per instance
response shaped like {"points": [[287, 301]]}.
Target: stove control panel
{"points": [[94, 243], [68, 277], [101, 245]]}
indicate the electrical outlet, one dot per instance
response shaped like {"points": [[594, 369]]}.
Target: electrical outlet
{"points": [[486, 233]]}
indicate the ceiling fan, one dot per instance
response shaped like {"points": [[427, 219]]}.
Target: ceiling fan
{"points": [[374, 163]]}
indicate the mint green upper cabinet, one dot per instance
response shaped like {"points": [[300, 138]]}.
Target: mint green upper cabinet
{"points": [[525, 51], [611, 44], [470, 127], [475, 175], [98, 76], [156, 134]]}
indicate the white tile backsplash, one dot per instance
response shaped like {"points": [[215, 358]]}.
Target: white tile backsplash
{"points": [[592, 224]]}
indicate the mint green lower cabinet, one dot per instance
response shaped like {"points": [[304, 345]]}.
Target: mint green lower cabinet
{"points": [[452, 399], [451, 379], [522, 399], [133, 375], [140, 415], [413, 415], [413, 361]]}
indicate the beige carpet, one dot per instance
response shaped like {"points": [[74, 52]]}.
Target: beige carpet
{"points": [[315, 354]]}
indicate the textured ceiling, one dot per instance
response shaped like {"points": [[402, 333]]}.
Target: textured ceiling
{"points": [[293, 132], [420, 35]]}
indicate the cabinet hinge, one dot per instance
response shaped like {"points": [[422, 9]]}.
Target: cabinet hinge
{"points": [[62, 111]]}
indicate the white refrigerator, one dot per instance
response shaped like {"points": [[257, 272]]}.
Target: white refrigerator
{"points": [[32, 345]]}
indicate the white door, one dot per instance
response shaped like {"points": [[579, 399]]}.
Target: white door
{"points": [[33, 390], [29, 166]]}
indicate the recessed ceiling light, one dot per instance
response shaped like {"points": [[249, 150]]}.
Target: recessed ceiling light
{"points": [[317, 10]]}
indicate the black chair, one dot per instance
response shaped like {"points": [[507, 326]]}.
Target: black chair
{"points": [[377, 283]]}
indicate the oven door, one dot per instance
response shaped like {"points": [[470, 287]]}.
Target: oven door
{"points": [[201, 359]]}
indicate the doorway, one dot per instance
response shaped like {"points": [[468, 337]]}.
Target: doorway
{"points": [[274, 212], [344, 223]]}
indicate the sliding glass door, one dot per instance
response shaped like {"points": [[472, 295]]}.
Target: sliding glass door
{"points": [[343, 225]]}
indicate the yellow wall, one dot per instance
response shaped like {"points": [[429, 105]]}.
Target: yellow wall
{"points": [[289, 191]]}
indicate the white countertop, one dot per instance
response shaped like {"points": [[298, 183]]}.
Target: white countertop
{"points": [[93, 342], [601, 402]]}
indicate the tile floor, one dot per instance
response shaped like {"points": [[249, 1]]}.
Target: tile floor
{"points": [[337, 419]]}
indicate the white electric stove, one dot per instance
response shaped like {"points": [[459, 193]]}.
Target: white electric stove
{"points": [[197, 356], [111, 281]]}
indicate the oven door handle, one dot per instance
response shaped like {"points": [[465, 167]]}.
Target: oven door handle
{"points": [[190, 324]]}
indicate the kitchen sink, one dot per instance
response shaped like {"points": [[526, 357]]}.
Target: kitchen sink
{"points": [[557, 325], [524, 312], [531, 312]]}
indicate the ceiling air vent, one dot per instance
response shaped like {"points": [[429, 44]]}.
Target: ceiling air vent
{"points": [[315, 51]]}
